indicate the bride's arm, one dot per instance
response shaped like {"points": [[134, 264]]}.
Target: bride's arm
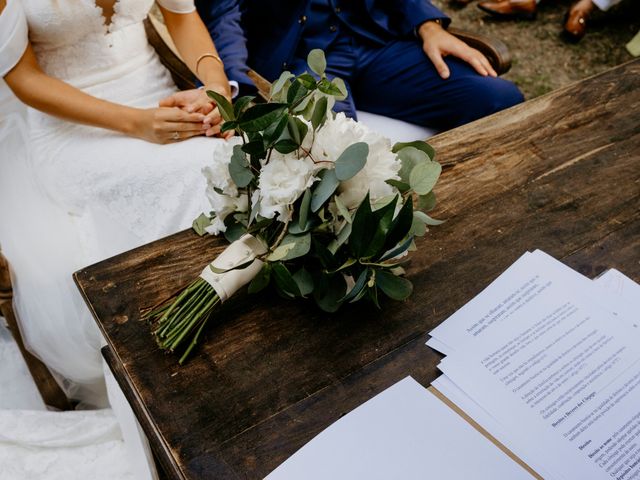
{"points": [[53, 96], [193, 40]]}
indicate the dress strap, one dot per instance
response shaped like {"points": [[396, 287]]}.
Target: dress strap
{"points": [[178, 6], [14, 35]]}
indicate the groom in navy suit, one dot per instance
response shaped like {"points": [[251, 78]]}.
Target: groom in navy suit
{"points": [[389, 53]]}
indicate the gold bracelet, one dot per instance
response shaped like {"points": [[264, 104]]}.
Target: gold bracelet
{"points": [[207, 55]]}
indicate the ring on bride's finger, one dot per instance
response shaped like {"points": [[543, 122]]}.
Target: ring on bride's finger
{"points": [[176, 135]]}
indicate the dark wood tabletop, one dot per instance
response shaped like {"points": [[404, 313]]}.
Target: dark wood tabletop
{"points": [[560, 173]]}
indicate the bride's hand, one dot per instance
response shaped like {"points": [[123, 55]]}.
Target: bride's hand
{"points": [[168, 124]]}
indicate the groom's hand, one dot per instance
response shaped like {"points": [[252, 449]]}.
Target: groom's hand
{"points": [[438, 43]]}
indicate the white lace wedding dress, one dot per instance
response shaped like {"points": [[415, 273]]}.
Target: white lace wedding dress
{"points": [[71, 195]]}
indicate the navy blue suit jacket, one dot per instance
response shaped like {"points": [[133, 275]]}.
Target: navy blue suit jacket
{"points": [[264, 34]]}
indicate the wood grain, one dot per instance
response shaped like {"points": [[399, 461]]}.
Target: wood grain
{"points": [[560, 173]]}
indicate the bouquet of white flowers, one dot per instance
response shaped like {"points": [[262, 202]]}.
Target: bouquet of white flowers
{"points": [[313, 203]]}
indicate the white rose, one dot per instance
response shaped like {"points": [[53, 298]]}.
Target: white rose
{"points": [[281, 183], [222, 206]]}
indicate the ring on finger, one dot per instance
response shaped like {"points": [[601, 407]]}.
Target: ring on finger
{"points": [[176, 135]]}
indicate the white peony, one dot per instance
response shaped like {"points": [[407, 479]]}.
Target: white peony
{"points": [[217, 173], [340, 132], [281, 183]]}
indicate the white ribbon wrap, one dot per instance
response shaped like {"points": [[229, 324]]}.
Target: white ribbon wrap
{"points": [[241, 251]]}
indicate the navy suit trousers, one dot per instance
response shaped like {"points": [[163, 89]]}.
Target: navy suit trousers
{"points": [[398, 80]]}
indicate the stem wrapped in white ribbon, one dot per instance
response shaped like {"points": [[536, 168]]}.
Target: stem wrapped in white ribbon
{"points": [[239, 253], [180, 320]]}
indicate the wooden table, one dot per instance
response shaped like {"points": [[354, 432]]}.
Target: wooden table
{"points": [[560, 173]]}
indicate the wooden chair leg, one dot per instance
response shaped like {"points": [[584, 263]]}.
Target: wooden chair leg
{"points": [[51, 392]]}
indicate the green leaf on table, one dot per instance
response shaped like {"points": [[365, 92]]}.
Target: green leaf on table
{"points": [[424, 177], [241, 104], [409, 158], [225, 107], [325, 188], [292, 246], [305, 206], [200, 223], [239, 168], [418, 226], [284, 280], [420, 145], [319, 113], [432, 222], [261, 280], [259, 117], [304, 281], [394, 287], [317, 61], [352, 160], [427, 202]]}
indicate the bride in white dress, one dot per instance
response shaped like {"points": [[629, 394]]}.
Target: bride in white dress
{"points": [[97, 167]]}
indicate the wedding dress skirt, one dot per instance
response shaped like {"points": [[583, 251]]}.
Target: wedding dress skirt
{"points": [[72, 195]]}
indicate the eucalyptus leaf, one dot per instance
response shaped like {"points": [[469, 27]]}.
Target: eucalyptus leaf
{"points": [[394, 287], [239, 168], [433, 222], [200, 223], [427, 202], [424, 177], [325, 188], [317, 61], [352, 160], [305, 206], [292, 246], [261, 280], [225, 107], [420, 145], [234, 232], [418, 227], [342, 87], [409, 158], [341, 238]]}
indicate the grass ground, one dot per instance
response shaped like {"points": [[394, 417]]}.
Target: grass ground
{"points": [[542, 60]]}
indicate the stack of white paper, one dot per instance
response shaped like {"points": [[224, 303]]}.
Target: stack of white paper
{"points": [[548, 362], [405, 433]]}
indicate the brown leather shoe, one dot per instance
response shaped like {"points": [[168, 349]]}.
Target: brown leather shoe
{"points": [[510, 8], [575, 25]]}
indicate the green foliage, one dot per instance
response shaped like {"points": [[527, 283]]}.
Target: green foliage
{"points": [[323, 247]]}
